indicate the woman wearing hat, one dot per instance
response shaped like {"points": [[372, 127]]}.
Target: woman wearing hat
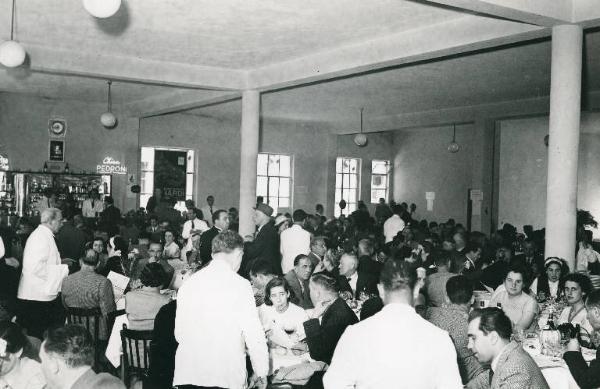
{"points": [[549, 283]]}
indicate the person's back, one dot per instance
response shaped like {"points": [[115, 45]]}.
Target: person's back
{"points": [[395, 348], [216, 321], [435, 287], [455, 321], [294, 241], [87, 289], [403, 350], [70, 241], [142, 306]]}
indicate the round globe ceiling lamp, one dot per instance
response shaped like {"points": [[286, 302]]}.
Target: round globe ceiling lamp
{"points": [[453, 147], [361, 139], [12, 54], [108, 119], [102, 8]]}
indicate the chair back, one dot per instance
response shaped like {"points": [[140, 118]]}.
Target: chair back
{"points": [[136, 353], [86, 317], [90, 319]]}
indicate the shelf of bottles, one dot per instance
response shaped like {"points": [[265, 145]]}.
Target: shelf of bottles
{"points": [[21, 192], [8, 202]]}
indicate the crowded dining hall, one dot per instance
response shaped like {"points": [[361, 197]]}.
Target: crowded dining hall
{"points": [[291, 194]]}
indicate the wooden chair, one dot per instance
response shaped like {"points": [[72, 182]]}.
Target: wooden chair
{"points": [[136, 354], [90, 319]]}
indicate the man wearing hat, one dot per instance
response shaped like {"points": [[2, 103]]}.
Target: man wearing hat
{"points": [[265, 244]]}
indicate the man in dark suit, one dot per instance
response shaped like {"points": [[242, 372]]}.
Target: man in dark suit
{"points": [[62, 370], [265, 244], [533, 261], [586, 376], [354, 281], [220, 219], [322, 337], [109, 218], [298, 278], [489, 339]]}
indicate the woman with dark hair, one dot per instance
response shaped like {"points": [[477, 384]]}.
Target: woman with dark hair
{"points": [[577, 288], [142, 305], [283, 324], [16, 370], [549, 283], [171, 249], [117, 257]]}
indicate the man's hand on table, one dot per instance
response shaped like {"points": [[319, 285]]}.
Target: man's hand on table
{"points": [[257, 382]]}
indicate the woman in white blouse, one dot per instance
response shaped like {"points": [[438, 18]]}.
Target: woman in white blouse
{"points": [[283, 324], [17, 371], [577, 287], [171, 249]]}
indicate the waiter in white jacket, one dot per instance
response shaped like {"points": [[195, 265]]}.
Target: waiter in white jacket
{"points": [[39, 306]]}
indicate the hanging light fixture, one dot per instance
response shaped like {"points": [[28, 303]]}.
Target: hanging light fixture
{"points": [[102, 8], [361, 139], [12, 54], [108, 119], [453, 147]]}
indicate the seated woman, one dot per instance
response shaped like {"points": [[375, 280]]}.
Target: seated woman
{"points": [[283, 324], [171, 249], [142, 305], [549, 284], [16, 370], [117, 257], [577, 288], [520, 307]]}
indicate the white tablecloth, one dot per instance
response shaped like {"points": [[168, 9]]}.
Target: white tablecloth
{"points": [[555, 370], [114, 350]]}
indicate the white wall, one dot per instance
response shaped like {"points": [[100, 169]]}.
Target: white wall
{"points": [[523, 170]]}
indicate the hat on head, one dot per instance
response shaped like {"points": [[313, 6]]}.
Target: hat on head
{"points": [[551, 260], [280, 219], [264, 208]]}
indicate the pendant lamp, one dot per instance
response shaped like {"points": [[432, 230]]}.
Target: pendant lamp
{"points": [[108, 119], [102, 8], [12, 54], [453, 147], [361, 139]]}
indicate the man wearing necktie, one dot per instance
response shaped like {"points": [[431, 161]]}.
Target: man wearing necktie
{"points": [[208, 209]]}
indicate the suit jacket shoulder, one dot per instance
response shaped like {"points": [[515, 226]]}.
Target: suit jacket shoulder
{"points": [[91, 380], [322, 338], [517, 370]]}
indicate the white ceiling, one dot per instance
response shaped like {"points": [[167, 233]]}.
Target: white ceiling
{"points": [[329, 58], [236, 34]]}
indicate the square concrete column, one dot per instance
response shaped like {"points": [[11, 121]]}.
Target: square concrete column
{"points": [[249, 153], [563, 148]]}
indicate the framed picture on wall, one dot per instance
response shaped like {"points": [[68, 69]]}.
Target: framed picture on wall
{"points": [[56, 151]]}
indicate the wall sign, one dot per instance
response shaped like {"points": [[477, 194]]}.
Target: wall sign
{"points": [[111, 166], [170, 173], [56, 152]]}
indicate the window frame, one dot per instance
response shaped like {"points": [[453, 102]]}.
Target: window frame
{"points": [[339, 186], [387, 180], [277, 176]]}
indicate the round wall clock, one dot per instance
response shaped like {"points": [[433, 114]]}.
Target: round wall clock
{"points": [[57, 127]]}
